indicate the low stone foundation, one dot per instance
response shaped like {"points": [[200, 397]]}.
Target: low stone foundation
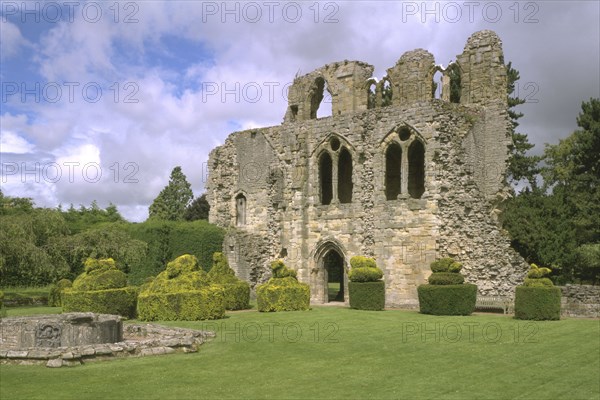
{"points": [[135, 340], [580, 301], [62, 330]]}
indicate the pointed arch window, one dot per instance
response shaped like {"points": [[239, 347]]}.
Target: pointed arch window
{"points": [[393, 171], [326, 178], [404, 166], [345, 176]]}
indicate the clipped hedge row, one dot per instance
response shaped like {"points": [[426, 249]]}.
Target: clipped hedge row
{"points": [[237, 292], [447, 299], [236, 295], [200, 304], [120, 301], [446, 278], [537, 303], [367, 295], [183, 291], [281, 294]]}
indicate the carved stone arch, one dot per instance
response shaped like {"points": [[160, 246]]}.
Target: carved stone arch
{"points": [[448, 80], [340, 150], [319, 273], [393, 135], [315, 93], [324, 144], [402, 136]]}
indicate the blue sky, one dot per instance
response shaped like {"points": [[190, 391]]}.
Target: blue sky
{"points": [[103, 100]]}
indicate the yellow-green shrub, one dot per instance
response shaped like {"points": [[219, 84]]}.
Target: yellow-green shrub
{"points": [[446, 293], [366, 289], [120, 301], [183, 291], [99, 275], [283, 292], [101, 288], [538, 298], [237, 292]]}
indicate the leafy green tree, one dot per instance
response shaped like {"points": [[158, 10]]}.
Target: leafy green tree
{"points": [[107, 242], [172, 201], [84, 218], [558, 225], [198, 209], [521, 166], [25, 259], [14, 205]]}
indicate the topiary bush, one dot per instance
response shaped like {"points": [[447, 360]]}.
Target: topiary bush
{"points": [[55, 296], [101, 288], [183, 291], [446, 293], [537, 299], [447, 299], [366, 289], [237, 292], [282, 292]]}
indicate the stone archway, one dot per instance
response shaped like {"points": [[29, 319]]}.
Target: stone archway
{"points": [[333, 263], [329, 278]]}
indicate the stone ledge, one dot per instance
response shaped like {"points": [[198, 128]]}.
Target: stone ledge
{"points": [[139, 340]]}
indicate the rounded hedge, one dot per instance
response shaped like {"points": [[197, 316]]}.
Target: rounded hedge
{"points": [[365, 274], [182, 291], [283, 294], [367, 295], [447, 299], [201, 304], [120, 301], [446, 278], [537, 303], [237, 291], [54, 297], [446, 264], [362, 262], [100, 274]]}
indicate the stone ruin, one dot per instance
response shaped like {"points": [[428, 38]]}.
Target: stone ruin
{"points": [[74, 338], [397, 173]]}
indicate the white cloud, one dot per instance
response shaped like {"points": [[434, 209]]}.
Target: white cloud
{"points": [[175, 121], [10, 142], [11, 40]]}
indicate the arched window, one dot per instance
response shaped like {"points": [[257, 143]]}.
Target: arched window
{"points": [[345, 176], [393, 171], [416, 169], [240, 210], [326, 178], [320, 100]]}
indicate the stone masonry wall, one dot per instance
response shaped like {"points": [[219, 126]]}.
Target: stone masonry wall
{"points": [[465, 146]]}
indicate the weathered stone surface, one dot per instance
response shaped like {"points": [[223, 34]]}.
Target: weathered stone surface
{"points": [[580, 301], [54, 363], [62, 330], [289, 191], [139, 340]]}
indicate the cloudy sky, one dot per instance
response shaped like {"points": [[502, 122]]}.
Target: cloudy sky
{"points": [[100, 100]]}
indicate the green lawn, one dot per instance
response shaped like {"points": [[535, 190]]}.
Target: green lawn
{"points": [[334, 352]]}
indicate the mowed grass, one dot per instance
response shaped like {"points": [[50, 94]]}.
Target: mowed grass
{"points": [[334, 352]]}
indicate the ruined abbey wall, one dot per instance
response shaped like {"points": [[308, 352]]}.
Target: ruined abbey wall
{"points": [[405, 182]]}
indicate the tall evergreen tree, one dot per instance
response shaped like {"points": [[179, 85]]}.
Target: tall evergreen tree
{"points": [[521, 166], [172, 201], [198, 209]]}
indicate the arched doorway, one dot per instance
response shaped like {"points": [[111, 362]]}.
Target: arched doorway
{"points": [[333, 263], [329, 278]]}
